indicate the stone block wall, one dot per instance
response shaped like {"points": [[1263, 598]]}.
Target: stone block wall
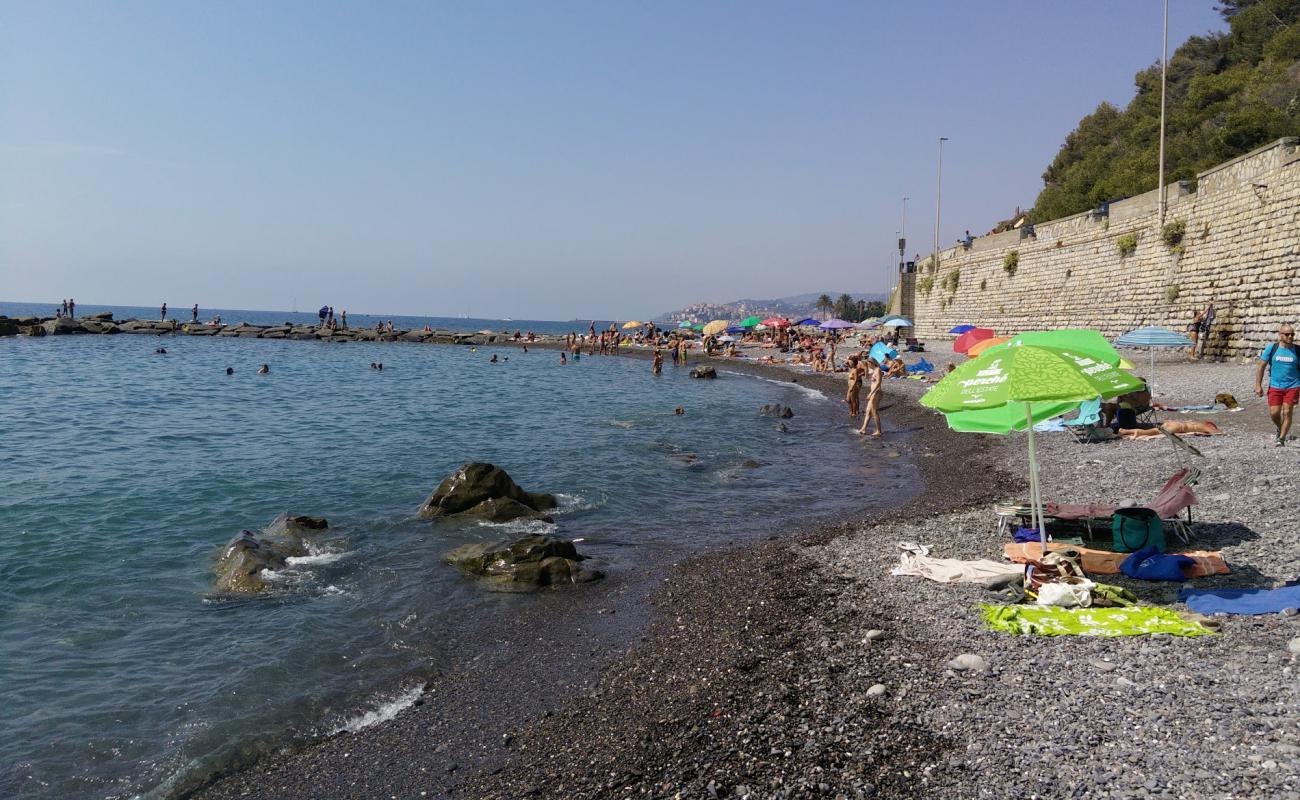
{"points": [[1241, 249]]}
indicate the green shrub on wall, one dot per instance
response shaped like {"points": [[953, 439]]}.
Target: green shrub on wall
{"points": [[1172, 233], [1126, 244], [984, 284], [951, 281], [1171, 292], [925, 284], [1011, 262]]}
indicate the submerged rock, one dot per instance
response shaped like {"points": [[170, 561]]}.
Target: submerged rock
{"points": [[486, 492], [241, 565], [704, 372], [776, 410], [525, 565]]}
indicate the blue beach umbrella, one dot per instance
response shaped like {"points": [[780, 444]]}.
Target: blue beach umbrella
{"points": [[809, 321], [835, 325], [896, 321], [735, 329], [686, 323], [961, 328], [1153, 337], [882, 352]]}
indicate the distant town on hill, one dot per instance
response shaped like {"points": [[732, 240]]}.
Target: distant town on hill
{"points": [[822, 305]]}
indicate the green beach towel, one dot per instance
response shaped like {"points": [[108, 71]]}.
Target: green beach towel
{"points": [[1055, 621]]}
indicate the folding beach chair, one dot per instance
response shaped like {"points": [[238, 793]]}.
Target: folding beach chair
{"points": [[1085, 424]]}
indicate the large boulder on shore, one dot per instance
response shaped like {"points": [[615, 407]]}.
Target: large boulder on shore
{"points": [[243, 562], [486, 492], [704, 372], [525, 565], [8, 327], [62, 326]]}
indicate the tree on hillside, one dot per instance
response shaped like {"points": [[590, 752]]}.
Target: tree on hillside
{"points": [[1226, 95], [874, 308], [846, 307], [825, 304]]}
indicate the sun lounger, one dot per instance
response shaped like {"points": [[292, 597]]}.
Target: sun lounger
{"points": [[1169, 503], [1086, 424]]}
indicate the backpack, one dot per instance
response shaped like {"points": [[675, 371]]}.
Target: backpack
{"points": [[1136, 529], [1271, 351]]}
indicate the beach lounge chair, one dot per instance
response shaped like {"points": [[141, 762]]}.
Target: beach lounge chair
{"points": [[1170, 503], [1175, 498], [1085, 426]]}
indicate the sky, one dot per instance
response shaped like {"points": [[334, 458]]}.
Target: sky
{"points": [[529, 159]]}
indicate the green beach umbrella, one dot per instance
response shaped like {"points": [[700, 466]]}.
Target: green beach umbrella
{"points": [[1078, 340], [749, 322], [1026, 381]]}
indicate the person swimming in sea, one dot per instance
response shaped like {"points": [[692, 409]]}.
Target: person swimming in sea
{"points": [[493, 359], [563, 358], [230, 370], [264, 369], [657, 366]]}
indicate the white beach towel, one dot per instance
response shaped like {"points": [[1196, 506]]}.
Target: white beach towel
{"points": [[916, 560]]}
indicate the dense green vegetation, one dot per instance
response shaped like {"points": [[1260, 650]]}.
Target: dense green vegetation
{"points": [[1227, 94]]}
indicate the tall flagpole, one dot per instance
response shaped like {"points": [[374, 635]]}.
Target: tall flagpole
{"points": [[938, 197], [1164, 70]]}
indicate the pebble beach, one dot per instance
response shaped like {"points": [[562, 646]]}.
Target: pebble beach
{"points": [[800, 667]]}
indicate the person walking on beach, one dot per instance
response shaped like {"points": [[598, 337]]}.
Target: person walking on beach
{"points": [[873, 399], [163, 313], [854, 395], [657, 366], [1193, 333], [1283, 364], [194, 313]]}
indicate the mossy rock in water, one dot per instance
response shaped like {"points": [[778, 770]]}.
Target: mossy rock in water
{"points": [[704, 372], [242, 562], [525, 565], [472, 490]]}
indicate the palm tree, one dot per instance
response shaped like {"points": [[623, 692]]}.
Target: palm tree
{"points": [[825, 304]]}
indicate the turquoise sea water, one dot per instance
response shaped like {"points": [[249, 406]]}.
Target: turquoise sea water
{"points": [[125, 471]]}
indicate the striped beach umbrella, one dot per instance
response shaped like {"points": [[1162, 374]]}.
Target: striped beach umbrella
{"points": [[1153, 337]]}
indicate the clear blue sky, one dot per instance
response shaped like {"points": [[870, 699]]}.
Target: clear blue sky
{"points": [[528, 159]]}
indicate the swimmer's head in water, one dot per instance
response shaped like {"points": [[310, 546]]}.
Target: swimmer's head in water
{"points": [[679, 411], [230, 370]]}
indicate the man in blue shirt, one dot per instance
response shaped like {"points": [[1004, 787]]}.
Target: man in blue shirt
{"points": [[1283, 363]]}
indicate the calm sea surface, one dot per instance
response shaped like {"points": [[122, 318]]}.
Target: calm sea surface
{"points": [[125, 471]]}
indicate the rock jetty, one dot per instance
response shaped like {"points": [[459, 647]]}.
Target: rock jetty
{"points": [[104, 323]]}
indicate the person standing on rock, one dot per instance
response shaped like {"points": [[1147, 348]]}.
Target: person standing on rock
{"points": [[1282, 361], [345, 319], [194, 313], [63, 309], [163, 313], [72, 308]]}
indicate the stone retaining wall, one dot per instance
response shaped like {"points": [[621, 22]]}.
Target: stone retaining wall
{"points": [[1241, 249]]}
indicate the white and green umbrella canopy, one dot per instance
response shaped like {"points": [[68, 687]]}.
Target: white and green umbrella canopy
{"points": [[1010, 388]]}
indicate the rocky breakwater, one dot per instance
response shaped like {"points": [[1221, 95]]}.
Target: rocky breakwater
{"points": [[104, 323], [245, 561]]}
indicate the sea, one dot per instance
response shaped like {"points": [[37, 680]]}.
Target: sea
{"points": [[125, 471]]}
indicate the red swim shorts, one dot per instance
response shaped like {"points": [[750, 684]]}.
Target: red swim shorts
{"points": [[1277, 397]]}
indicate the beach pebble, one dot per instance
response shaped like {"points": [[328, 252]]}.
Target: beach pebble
{"points": [[874, 634], [1104, 666], [969, 662], [1294, 645], [876, 690]]}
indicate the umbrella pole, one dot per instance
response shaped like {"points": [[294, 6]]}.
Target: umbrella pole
{"points": [[1034, 497]]}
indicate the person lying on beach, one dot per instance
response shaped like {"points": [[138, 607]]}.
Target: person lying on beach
{"points": [[1179, 427]]}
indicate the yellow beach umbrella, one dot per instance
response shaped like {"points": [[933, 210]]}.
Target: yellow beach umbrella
{"points": [[631, 324], [715, 327], [984, 344]]}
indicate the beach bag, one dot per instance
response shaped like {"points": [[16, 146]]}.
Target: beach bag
{"points": [[1135, 529], [1149, 564], [1052, 567], [1226, 400], [1067, 593]]}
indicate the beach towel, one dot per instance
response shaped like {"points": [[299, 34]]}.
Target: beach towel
{"points": [[921, 367], [1105, 562], [1242, 601], [1055, 621], [1054, 425], [916, 560]]}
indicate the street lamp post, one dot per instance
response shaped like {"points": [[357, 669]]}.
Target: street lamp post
{"points": [[938, 198], [1164, 69]]}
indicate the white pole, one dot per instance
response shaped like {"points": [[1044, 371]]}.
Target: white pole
{"points": [[938, 198], [1035, 497], [1164, 69]]}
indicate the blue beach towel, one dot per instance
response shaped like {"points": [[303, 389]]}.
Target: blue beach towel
{"points": [[1242, 601], [1149, 564], [921, 367]]}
